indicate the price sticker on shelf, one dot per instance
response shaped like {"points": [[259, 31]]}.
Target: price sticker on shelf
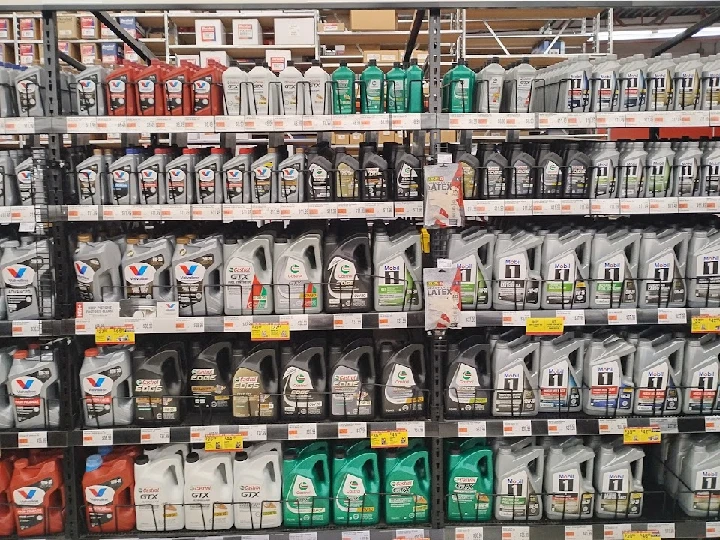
{"points": [[705, 325], [33, 439], [563, 427], [393, 320], [472, 428], [712, 529], [578, 532], [198, 433], [640, 535], [517, 428], [516, 533], [160, 435], [390, 438], [115, 335], [468, 533], [302, 432], [515, 318], [572, 317], [642, 435], [223, 443], [97, 437], [26, 328], [615, 531], [544, 326], [712, 423], [612, 426], [253, 432], [348, 321], [664, 530], [352, 430], [622, 316], [355, 535], [270, 331], [672, 316]]}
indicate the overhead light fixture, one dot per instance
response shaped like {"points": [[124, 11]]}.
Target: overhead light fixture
{"points": [[647, 35]]}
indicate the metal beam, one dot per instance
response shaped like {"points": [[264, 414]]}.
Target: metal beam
{"points": [[414, 31], [111, 22], [711, 19], [71, 61]]}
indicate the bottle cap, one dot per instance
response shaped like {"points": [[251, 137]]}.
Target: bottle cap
{"points": [[90, 353], [20, 355], [84, 237], [217, 151], [93, 462]]}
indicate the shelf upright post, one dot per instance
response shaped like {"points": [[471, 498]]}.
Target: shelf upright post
{"points": [[434, 76]]}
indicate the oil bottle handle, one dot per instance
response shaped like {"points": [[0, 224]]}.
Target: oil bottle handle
{"points": [[539, 454], [635, 253], [682, 259], [587, 251]]}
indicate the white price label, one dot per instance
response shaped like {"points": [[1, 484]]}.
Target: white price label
{"points": [[410, 209], [379, 210], [322, 210], [19, 126], [472, 428], [22, 215], [604, 120], [97, 437], [199, 124], [565, 427], [409, 121], [468, 533], [515, 318], [517, 428], [485, 208], [251, 537], [230, 124], [410, 534], [622, 316], [577, 207], [310, 535], [664, 530], [605, 207], [318, 123], [144, 325], [414, 429], [468, 319], [578, 532], [672, 316], [692, 205], [393, 320], [546, 207], [170, 124], [176, 212], [237, 323], [572, 317], [236, 212], [302, 432], [188, 325], [664, 205], [160, 435], [33, 439], [634, 206], [348, 321], [355, 535], [516, 533], [615, 531], [253, 432], [198, 433], [296, 322], [519, 207], [82, 124], [117, 213], [352, 430], [667, 424], [712, 424], [5, 212], [712, 529], [207, 212], [612, 426], [26, 328]]}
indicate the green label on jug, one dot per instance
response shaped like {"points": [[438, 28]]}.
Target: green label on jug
{"points": [[517, 498], [397, 286]]}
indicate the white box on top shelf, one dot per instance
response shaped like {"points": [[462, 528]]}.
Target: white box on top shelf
{"points": [[209, 32], [247, 32], [291, 31], [221, 57], [277, 59]]}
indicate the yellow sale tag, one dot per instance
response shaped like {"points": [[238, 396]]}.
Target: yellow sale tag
{"points": [[391, 438], [226, 443], [640, 535], [700, 325], [642, 435], [544, 326], [115, 335], [270, 331]]}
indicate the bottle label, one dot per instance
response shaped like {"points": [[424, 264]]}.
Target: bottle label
{"points": [[99, 499], [299, 395], [177, 184], [558, 388], [117, 89], [146, 94], [297, 292], [513, 394], [85, 274], [243, 290], [29, 399], [657, 391], [206, 182], [395, 286], [564, 284], [688, 177], [687, 88], [262, 184], [121, 183], [320, 181], [289, 184], [665, 283], [407, 183], [174, 89], [350, 397], [149, 182], [26, 186], [88, 94], [32, 500], [517, 498], [235, 179], [612, 289], [99, 394], [616, 495], [465, 386], [513, 282], [190, 280], [701, 395], [140, 276], [21, 284], [202, 95]]}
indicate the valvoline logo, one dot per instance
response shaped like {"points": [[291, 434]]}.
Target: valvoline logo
{"points": [[173, 85], [97, 492], [97, 385], [25, 177], [99, 495], [188, 270], [26, 387], [139, 274], [81, 268], [86, 85], [177, 176], [235, 176], [96, 382], [25, 384], [207, 175], [146, 85], [116, 85], [201, 87], [138, 269], [27, 493], [17, 273], [189, 273], [28, 496]]}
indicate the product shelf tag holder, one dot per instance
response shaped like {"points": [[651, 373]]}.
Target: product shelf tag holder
{"points": [[544, 326], [705, 325], [115, 335], [223, 443], [443, 196], [642, 435], [392, 438], [442, 298], [270, 331]]}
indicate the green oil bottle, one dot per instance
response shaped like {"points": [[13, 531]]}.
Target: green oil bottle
{"points": [[372, 89], [306, 486], [396, 90], [470, 481], [356, 485], [414, 87], [343, 85], [407, 484]]}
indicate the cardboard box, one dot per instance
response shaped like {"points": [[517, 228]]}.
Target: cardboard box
{"points": [[89, 27], [89, 53], [28, 53], [29, 29], [292, 31], [340, 138], [421, 56], [6, 29], [192, 58], [448, 136], [373, 19], [68, 27], [247, 32], [71, 49], [357, 138], [132, 26], [386, 136], [331, 27], [111, 53], [221, 57], [7, 54], [382, 57], [209, 32], [277, 59], [130, 55], [106, 33]]}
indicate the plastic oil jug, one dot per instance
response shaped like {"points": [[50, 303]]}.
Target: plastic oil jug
{"points": [[320, 89], [578, 167], [197, 267], [565, 269], [618, 482], [210, 375], [403, 380], [290, 178], [97, 270], [701, 373], [208, 492], [236, 177], [257, 492], [710, 169], [408, 177], [206, 89], [347, 272], [698, 495], [657, 375], [632, 84], [459, 89], [123, 177], [178, 95], [687, 78], [6, 514], [34, 389], [343, 86], [631, 171], [38, 511], [517, 270], [295, 90], [352, 379], [303, 373], [372, 89], [320, 174], [89, 95], [8, 183], [108, 486], [489, 87], [152, 176], [519, 483], [396, 91], [518, 88], [264, 85], [375, 176], [686, 170], [159, 488], [30, 85], [180, 177], [550, 169], [248, 270], [235, 89], [660, 175], [91, 179], [521, 182], [663, 255], [469, 381], [159, 383], [262, 178], [306, 486], [355, 485], [614, 268], [660, 77], [472, 251], [470, 481], [515, 365], [105, 379], [413, 84], [703, 268], [604, 84], [607, 377], [208, 177], [146, 269], [407, 484], [255, 383], [710, 84], [27, 274], [30, 184], [569, 482], [561, 373], [397, 261], [297, 274]]}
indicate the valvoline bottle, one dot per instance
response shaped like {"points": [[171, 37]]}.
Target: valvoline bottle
{"points": [[150, 89], [348, 272], [306, 486], [255, 383], [7, 524], [197, 267], [106, 387], [407, 484], [303, 371], [207, 92], [159, 381], [38, 497], [35, 390], [97, 269], [210, 375], [356, 485], [470, 481], [121, 91], [108, 485], [403, 380], [352, 380], [177, 85]]}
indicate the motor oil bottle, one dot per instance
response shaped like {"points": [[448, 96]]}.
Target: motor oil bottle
{"points": [[151, 89], [208, 492], [9, 195], [290, 178], [686, 170], [710, 84], [672, 454], [298, 269], [701, 370], [576, 173], [37, 494], [146, 269], [459, 88], [235, 90], [699, 495], [469, 379], [517, 270], [159, 384], [397, 261], [347, 179], [352, 380], [550, 169], [255, 383], [659, 175], [414, 87], [180, 186], [208, 177], [89, 96], [607, 377], [703, 272], [6, 511], [121, 90], [472, 251], [355, 485], [657, 375], [518, 87], [303, 371], [320, 90], [152, 177], [105, 379], [565, 269], [159, 488], [632, 84], [177, 87], [561, 373], [236, 177], [577, 95], [403, 380], [348, 272], [248, 271], [210, 375], [263, 83], [470, 477], [687, 86], [489, 87], [108, 490], [518, 483], [343, 86], [6, 410], [97, 270], [321, 177], [614, 268], [197, 267], [375, 177], [470, 177], [618, 481], [408, 174], [396, 93], [663, 255], [306, 486], [34, 390], [263, 174], [407, 484], [30, 185], [372, 89], [30, 86], [520, 182], [206, 90], [295, 91], [493, 174], [604, 84], [515, 365], [569, 482], [26, 273], [660, 76], [631, 171], [710, 169], [257, 492]]}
